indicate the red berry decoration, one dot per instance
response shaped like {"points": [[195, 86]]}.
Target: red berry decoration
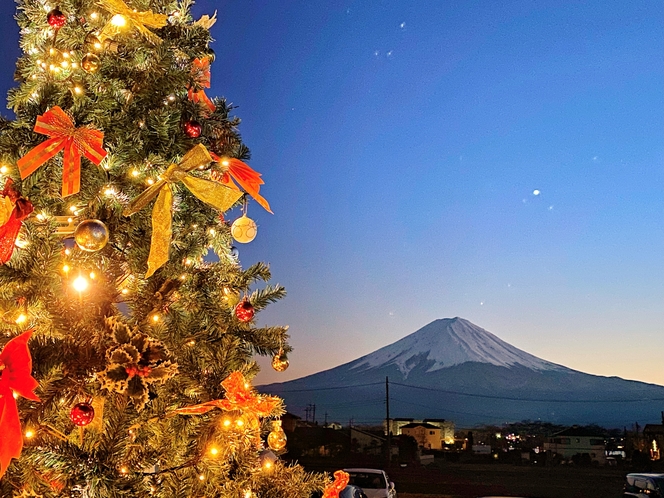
{"points": [[56, 19], [244, 311], [82, 414], [192, 129]]}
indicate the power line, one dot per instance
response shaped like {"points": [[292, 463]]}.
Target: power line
{"points": [[473, 395], [277, 391], [538, 400]]}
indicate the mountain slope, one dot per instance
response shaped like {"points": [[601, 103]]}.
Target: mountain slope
{"points": [[454, 369]]}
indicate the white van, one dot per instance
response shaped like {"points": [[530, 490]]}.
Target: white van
{"points": [[644, 486]]}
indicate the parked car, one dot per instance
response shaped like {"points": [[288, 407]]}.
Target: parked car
{"points": [[351, 491], [374, 482], [644, 486]]}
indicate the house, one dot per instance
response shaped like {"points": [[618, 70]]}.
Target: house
{"points": [[428, 436], [578, 443], [366, 442], [654, 439], [397, 423], [446, 428]]}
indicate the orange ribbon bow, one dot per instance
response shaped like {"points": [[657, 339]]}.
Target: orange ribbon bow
{"points": [[239, 396], [201, 73], [76, 142], [341, 479], [249, 179], [15, 368], [20, 209]]}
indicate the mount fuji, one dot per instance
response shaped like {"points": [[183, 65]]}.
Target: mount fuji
{"points": [[452, 369]]}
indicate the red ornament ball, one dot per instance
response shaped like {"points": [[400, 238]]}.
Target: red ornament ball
{"points": [[82, 414], [192, 129], [244, 311], [56, 19]]}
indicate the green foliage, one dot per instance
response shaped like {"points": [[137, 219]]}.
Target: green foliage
{"points": [[138, 348]]}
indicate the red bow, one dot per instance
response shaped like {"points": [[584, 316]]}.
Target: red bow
{"points": [[201, 73], [9, 230], [76, 142], [341, 479], [15, 368], [242, 173]]}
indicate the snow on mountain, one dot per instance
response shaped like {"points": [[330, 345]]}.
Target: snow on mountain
{"points": [[447, 342]]}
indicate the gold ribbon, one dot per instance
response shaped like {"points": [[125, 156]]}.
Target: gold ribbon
{"points": [[140, 21], [213, 193]]}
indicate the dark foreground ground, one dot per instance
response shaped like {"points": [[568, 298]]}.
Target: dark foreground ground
{"points": [[454, 480], [472, 481]]}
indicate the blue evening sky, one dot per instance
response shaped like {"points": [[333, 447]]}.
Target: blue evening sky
{"points": [[498, 161]]}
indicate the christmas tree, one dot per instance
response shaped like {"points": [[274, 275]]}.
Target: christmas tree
{"points": [[126, 353]]}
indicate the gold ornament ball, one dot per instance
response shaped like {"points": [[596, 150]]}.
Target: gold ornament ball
{"points": [[276, 439], [230, 296], [280, 362], [91, 235], [244, 229], [90, 63]]}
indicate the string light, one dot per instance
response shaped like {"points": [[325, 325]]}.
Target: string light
{"points": [[227, 422], [125, 291], [155, 317], [21, 319], [135, 173], [94, 15], [29, 433], [201, 477], [80, 283], [93, 275], [65, 268], [124, 470], [119, 21], [150, 181], [214, 451], [78, 90]]}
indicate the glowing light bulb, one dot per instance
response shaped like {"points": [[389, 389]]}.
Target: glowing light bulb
{"points": [[3, 169], [150, 181], [201, 477], [119, 21], [125, 291], [239, 422], [94, 15], [124, 470], [225, 162], [20, 319], [135, 173], [78, 90], [93, 275], [155, 317], [80, 283], [29, 433], [68, 251], [214, 451], [227, 422], [65, 268]]}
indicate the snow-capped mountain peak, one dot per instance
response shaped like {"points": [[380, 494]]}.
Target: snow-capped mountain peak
{"points": [[447, 342]]}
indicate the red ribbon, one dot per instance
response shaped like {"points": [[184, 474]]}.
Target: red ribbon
{"points": [[201, 73], [15, 368], [249, 179], [9, 231], [76, 142], [341, 479]]}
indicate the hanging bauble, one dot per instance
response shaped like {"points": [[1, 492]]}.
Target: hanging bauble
{"points": [[235, 253], [192, 128], [276, 439], [91, 235], [280, 361], [230, 296], [244, 229], [90, 63], [56, 19], [244, 311], [82, 414]]}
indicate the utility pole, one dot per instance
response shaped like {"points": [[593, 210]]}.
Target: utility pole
{"points": [[387, 419], [314, 417], [325, 420]]}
